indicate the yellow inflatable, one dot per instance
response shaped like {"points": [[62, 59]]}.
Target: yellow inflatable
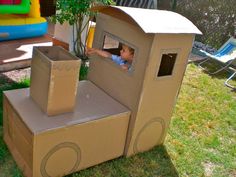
{"points": [[15, 25]]}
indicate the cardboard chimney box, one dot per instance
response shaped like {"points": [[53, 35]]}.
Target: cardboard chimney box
{"points": [[54, 79], [43, 146]]}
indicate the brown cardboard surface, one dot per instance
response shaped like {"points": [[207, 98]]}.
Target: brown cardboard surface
{"points": [[94, 133], [150, 98], [121, 85], [159, 94], [80, 146], [54, 79], [18, 138], [91, 104], [17, 156], [152, 21]]}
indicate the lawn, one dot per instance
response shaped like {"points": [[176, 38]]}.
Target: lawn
{"points": [[201, 140]]}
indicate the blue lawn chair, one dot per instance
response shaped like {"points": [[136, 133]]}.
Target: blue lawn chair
{"points": [[226, 55]]}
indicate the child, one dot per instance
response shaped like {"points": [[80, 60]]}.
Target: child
{"points": [[124, 60]]}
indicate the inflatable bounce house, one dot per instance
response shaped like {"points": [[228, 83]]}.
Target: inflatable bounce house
{"points": [[53, 130], [21, 19]]}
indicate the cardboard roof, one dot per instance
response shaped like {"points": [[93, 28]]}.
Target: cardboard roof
{"points": [[152, 20]]}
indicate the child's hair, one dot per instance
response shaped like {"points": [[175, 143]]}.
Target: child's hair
{"points": [[131, 50]]}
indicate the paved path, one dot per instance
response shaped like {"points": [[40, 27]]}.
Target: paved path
{"points": [[17, 53], [16, 50]]}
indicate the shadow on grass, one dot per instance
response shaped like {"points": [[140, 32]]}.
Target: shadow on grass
{"points": [[4, 80], [155, 162], [212, 66]]}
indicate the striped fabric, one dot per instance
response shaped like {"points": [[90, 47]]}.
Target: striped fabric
{"points": [[226, 50], [148, 4]]}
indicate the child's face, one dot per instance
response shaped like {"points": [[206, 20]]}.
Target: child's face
{"points": [[126, 54]]}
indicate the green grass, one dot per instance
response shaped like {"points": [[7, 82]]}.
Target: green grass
{"points": [[201, 140]]}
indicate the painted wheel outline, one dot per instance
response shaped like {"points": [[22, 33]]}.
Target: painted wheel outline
{"points": [[154, 120], [70, 145]]}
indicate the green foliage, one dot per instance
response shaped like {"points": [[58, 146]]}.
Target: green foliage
{"points": [[201, 138], [3, 149], [71, 10], [83, 71], [216, 19], [77, 13]]}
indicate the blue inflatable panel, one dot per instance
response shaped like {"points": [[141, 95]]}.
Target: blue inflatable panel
{"points": [[22, 31]]}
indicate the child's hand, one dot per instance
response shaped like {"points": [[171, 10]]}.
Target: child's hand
{"points": [[125, 67], [90, 51]]}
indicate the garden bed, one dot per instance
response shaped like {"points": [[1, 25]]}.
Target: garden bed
{"points": [[15, 75]]}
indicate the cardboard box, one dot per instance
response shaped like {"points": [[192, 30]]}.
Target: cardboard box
{"points": [[150, 88], [95, 132], [54, 79]]}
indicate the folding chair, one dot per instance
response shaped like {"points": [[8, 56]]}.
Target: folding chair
{"points": [[226, 55]]}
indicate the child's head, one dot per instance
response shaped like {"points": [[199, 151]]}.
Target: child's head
{"points": [[127, 53]]}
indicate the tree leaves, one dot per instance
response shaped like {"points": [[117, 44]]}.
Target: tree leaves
{"points": [[76, 13], [213, 17]]}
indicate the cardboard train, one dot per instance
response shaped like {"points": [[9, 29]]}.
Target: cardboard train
{"points": [[115, 112]]}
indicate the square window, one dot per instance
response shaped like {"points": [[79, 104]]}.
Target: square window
{"points": [[122, 53], [167, 64]]}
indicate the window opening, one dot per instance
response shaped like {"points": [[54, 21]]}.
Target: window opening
{"points": [[167, 64], [121, 52]]}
